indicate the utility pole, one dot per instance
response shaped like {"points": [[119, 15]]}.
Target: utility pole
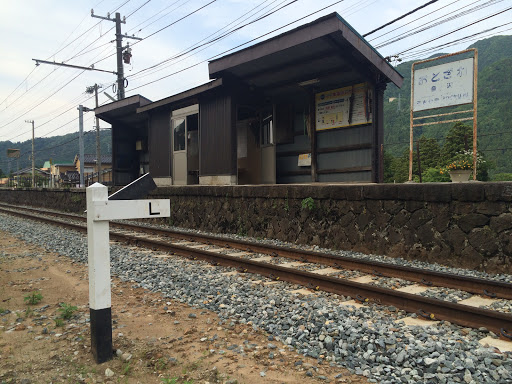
{"points": [[33, 161], [119, 49], [98, 141], [98, 138], [81, 156]]}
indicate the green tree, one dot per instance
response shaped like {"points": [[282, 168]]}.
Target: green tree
{"points": [[458, 139], [430, 153]]}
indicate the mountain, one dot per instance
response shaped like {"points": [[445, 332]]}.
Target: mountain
{"points": [[60, 149], [494, 116]]}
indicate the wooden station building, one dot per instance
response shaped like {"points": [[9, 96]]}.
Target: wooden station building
{"points": [[305, 106]]}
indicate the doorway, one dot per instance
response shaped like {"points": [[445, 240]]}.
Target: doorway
{"points": [[185, 145]]}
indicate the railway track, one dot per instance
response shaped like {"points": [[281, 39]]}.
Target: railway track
{"points": [[246, 256]]}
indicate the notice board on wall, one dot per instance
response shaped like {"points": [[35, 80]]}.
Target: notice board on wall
{"points": [[343, 107]]}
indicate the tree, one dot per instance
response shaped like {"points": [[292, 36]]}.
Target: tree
{"points": [[458, 139]]}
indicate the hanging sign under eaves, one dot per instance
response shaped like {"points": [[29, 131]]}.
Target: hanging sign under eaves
{"points": [[343, 107], [443, 85]]}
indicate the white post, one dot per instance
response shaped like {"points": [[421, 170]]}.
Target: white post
{"points": [[99, 276]]}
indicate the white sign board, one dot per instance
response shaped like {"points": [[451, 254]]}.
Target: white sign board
{"points": [[131, 209], [305, 160], [443, 85]]}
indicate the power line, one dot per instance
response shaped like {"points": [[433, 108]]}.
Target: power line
{"points": [[31, 109], [456, 30], [434, 23], [412, 21], [401, 17], [455, 42], [240, 45], [138, 8], [218, 38]]}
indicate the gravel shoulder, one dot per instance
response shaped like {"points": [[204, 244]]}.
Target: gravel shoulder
{"points": [[158, 340]]}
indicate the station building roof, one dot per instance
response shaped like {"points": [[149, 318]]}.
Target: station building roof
{"points": [[326, 52]]}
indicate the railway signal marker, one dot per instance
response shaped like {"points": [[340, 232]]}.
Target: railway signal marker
{"points": [[100, 210]]}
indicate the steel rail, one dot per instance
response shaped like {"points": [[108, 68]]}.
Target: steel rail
{"points": [[431, 308], [485, 287]]}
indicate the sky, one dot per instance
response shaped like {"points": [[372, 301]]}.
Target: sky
{"points": [[64, 31]]}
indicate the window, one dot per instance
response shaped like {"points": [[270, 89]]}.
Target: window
{"points": [[267, 134], [179, 135]]}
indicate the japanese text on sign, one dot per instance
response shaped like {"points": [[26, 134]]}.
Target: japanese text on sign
{"points": [[443, 85], [343, 107]]}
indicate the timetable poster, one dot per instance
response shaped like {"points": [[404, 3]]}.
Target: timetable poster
{"points": [[343, 107]]}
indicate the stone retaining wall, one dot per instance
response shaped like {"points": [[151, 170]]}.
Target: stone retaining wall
{"points": [[467, 224]]}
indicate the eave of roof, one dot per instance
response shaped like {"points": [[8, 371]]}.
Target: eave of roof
{"points": [[332, 24], [194, 92]]}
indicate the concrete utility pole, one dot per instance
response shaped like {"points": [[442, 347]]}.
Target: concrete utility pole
{"points": [[98, 141], [81, 156], [33, 161], [98, 138], [119, 49]]}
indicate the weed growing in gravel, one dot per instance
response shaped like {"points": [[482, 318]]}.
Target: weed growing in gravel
{"points": [[127, 369], [161, 364], [169, 380], [33, 298], [67, 310], [29, 312], [59, 322]]}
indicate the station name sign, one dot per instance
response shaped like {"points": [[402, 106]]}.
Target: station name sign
{"points": [[443, 85]]}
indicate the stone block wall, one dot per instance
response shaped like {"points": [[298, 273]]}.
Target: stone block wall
{"points": [[466, 225]]}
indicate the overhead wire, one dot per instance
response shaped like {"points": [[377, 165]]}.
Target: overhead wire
{"points": [[401, 17], [156, 14], [197, 45], [436, 22], [167, 26], [465, 39], [240, 45], [456, 30]]}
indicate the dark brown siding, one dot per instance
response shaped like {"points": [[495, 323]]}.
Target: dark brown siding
{"points": [[217, 137], [160, 144]]}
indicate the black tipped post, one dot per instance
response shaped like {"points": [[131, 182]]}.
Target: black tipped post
{"points": [[101, 334]]}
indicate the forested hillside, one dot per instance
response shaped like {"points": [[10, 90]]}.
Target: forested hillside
{"points": [[494, 107], [60, 149]]}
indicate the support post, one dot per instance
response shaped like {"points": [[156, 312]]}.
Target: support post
{"points": [[81, 143], [475, 106], [98, 138], [119, 48], [99, 276], [33, 160]]}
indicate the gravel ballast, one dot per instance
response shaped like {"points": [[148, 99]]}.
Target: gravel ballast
{"points": [[369, 341]]}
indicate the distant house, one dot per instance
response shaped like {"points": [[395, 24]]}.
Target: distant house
{"points": [[47, 166], [23, 177], [90, 172], [58, 172]]}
